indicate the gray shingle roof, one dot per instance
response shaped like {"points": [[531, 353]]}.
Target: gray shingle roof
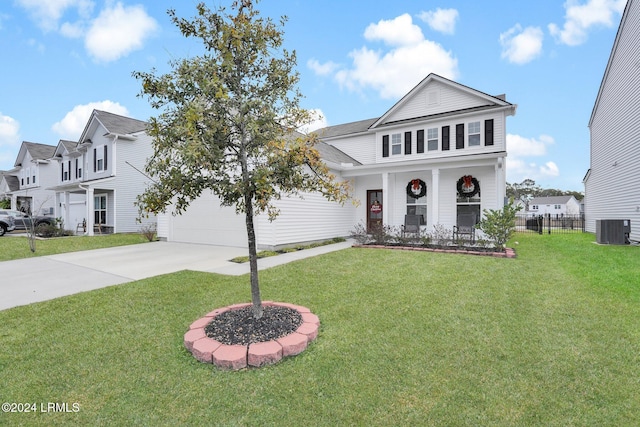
{"points": [[115, 123], [12, 182], [550, 200], [345, 129], [332, 154], [39, 151]]}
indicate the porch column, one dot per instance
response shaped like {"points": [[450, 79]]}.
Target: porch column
{"points": [[385, 198], [90, 209], [435, 197], [501, 182], [64, 207]]}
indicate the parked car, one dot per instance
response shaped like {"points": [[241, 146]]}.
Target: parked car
{"points": [[23, 221], [7, 223]]}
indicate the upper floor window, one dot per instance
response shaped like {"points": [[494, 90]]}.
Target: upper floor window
{"points": [[432, 139], [474, 133], [557, 207], [100, 159], [396, 143]]}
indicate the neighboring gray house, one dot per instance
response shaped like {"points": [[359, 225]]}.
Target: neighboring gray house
{"points": [[99, 177], [554, 205], [612, 184], [26, 184]]}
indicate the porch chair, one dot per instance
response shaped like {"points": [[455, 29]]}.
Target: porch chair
{"points": [[82, 226], [411, 224], [466, 226]]}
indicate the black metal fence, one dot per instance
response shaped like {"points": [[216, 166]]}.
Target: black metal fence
{"points": [[551, 224]]}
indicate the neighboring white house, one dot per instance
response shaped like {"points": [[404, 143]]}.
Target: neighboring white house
{"points": [[26, 184], [554, 205], [99, 177], [439, 152], [613, 179]]}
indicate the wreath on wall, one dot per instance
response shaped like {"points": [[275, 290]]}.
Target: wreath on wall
{"points": [[416, 188], [468, 186]]}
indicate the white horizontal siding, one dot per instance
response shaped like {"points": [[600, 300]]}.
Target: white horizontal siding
{"points": [[615, 132], [449, 99], [361, 147], [130, 158], [304, 220]]}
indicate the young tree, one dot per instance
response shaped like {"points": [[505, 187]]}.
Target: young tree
{"points": [[227, 122], [499, 225]]}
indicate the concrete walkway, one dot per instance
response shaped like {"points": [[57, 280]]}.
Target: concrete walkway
{"points": [[26, 281]]}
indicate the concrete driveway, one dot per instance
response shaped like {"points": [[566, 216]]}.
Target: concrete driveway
{"points": [[26, 281]]}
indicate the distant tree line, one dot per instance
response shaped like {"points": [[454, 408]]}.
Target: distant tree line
{"points": [[527, 190]]}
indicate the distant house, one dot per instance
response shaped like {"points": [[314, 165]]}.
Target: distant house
{"points": [[438, 153], [554, 205], [613, 178], [26, 184], [99, 177]]}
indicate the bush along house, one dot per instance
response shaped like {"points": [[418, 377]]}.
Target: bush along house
{"points": [[438, 153]]}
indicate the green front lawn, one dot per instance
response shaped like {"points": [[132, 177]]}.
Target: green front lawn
{"points": [[407, 338], [16, 247]]}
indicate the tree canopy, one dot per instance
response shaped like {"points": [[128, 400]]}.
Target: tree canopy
{"points": [[228, 122]]}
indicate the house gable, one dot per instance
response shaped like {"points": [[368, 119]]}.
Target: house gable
{"points": [[436, 96]]}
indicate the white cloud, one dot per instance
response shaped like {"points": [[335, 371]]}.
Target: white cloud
{"points": [[400, 31], [520, 46], [74, 122], [322, 69], [319, 121], [9, 130], [9, 140], [580, 18], [396, 70], [48, 13], [117, 31], [441, 20], [519, 149]]}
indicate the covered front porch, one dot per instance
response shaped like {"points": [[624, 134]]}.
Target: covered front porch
{"points": [[439, 193], [87, 208]]}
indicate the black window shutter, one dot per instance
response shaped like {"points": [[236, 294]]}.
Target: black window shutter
{"points": [[69, 169], [61, 171], [105, 157], [385, 145], [95, 159], [488, 132], [76, 168], [445, 138], [420, 141], [459, 136], [407, 143]]}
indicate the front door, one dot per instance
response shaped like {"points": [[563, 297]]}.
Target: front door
{"points": [[374, 209]]}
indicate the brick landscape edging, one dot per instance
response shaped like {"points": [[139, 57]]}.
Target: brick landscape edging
{"points": [[235, 357]]}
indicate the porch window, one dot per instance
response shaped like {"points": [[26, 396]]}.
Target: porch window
{"points": [[100, 209], [396, 143], [469, 205], [432, 139], [474, 134], [418, 207]]}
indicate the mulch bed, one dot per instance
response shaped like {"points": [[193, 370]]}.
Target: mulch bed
{"points": [[238, 327], [465, 250]]}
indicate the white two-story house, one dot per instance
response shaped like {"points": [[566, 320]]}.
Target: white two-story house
{"points": [[26, 184], [99, 177], [439, 153]]}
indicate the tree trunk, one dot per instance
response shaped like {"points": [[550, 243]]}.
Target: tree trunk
{"points": [[253, 260]]}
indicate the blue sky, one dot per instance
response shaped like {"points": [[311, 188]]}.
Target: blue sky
{"points": [[63, 58]]}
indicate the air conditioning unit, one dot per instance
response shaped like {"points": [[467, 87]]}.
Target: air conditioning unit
{"points": [[613, 231]]}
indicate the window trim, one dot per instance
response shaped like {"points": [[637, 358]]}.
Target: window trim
{"points": [[475, 133], [396, 144]]}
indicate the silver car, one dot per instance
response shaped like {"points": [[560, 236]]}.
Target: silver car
{"points": [[7, 223]]}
